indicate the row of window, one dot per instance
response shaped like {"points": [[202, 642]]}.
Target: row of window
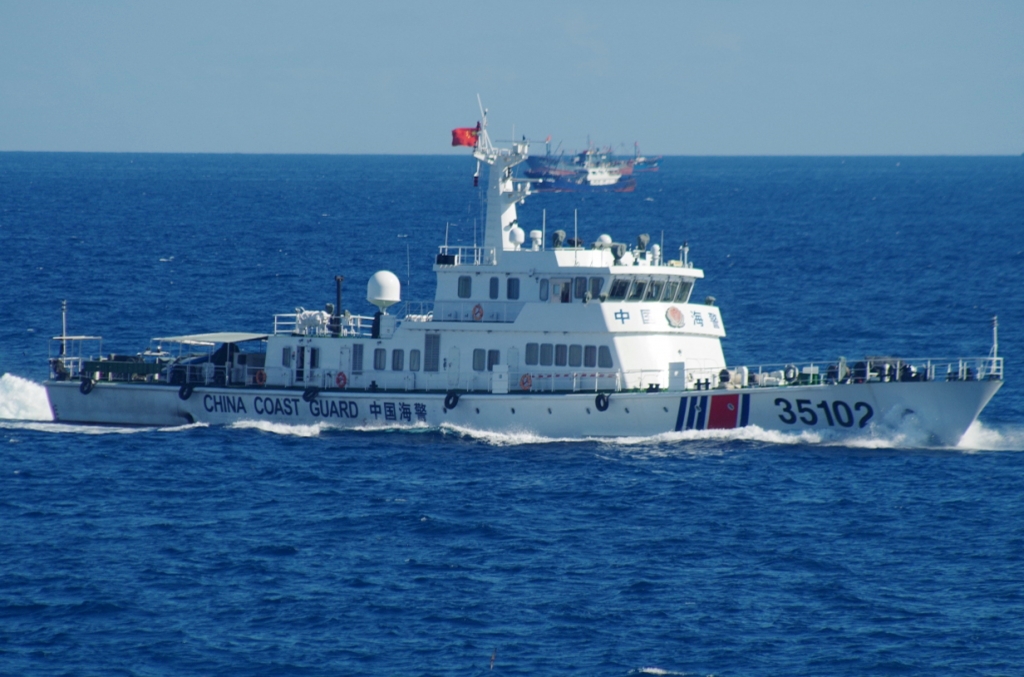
{"points": [[650, 289], [429, 358], [511, 287], [562, 355]]}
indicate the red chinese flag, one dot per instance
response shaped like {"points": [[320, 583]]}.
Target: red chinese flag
{"points": [[465, 136]]}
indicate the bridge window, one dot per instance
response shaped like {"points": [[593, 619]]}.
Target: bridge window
{"points": [[479, 355], [575, 356], [604, 357], [397, 360], [414, 359], [654, 290], [685, 287], [532, 353], [465, 286], [671, 288], [547, 354], [561, 355], [494, 288], [590, 356], [512, 289], [638, 289], [596, 285], [579, 287], [380, 359], [620, 287]]}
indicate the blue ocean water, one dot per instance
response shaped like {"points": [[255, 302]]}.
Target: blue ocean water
{"points": [[311, 551]]}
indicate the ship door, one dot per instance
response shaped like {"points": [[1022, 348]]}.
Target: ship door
{"points": [[512, 358], [345, 362], [300, 364], [453, 367], [561, 290]]}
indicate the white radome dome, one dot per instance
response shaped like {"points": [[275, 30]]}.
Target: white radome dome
{"points": [[383, 289], [517, 235], [605, 239]]}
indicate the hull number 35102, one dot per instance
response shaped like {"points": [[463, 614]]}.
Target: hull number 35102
{"points": [[837, 413]]}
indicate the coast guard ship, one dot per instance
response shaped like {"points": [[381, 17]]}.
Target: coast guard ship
{"points": [[553, 336]]}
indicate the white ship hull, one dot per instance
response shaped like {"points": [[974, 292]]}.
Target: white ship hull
{"points": [[941, 411]]}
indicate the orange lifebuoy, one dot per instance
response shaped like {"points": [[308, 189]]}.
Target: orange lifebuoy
{"points": [[260, 378], [341, 379], [478, 312], [526, 382]]}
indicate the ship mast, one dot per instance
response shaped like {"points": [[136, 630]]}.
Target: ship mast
{"points": [[502, 190]]}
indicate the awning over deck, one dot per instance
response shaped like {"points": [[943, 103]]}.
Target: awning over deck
{"points": [[210, 339]]}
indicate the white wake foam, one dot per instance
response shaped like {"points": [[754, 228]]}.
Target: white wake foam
{"points": [[747, 434], [980, 437], [23, 400], [312, 430]]}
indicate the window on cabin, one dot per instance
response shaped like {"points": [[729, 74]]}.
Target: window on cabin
{"points": [[654, 290], [575, 356], [357, 358], [286, 356], [432, 352], [619, 289], [544, 290], [596, 285], [465, 286], [314, 358], [547, 354], [561, 291], [493, 358], [579, 287], [512, 289], [397, 360], [479, 356], [636, 293], [561, 355], [590, 356], [532, 353], [604, 357], [414, 359], [380, 359], [685, 287], [494, 288]]}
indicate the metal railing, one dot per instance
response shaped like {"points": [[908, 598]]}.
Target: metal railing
{"points": [[466, 256]]}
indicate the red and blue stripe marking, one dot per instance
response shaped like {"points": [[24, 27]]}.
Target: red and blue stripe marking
{"points": [[713, 412]]}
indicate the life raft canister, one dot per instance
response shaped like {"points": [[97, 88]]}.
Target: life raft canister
{"points": [[341, 380], [478, 312], [526, 382]]}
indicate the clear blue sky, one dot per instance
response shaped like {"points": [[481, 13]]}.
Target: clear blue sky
{"points": [[682, 78]]}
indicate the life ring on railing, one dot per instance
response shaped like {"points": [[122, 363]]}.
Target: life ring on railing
{"points": [[526, 382], [601, 402], [86, 387], [451, 399], [478, 312], [790, 372], [260, 377], [341, 380]]}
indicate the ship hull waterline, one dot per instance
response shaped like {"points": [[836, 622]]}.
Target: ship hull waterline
{"points": [[941, 410]]}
